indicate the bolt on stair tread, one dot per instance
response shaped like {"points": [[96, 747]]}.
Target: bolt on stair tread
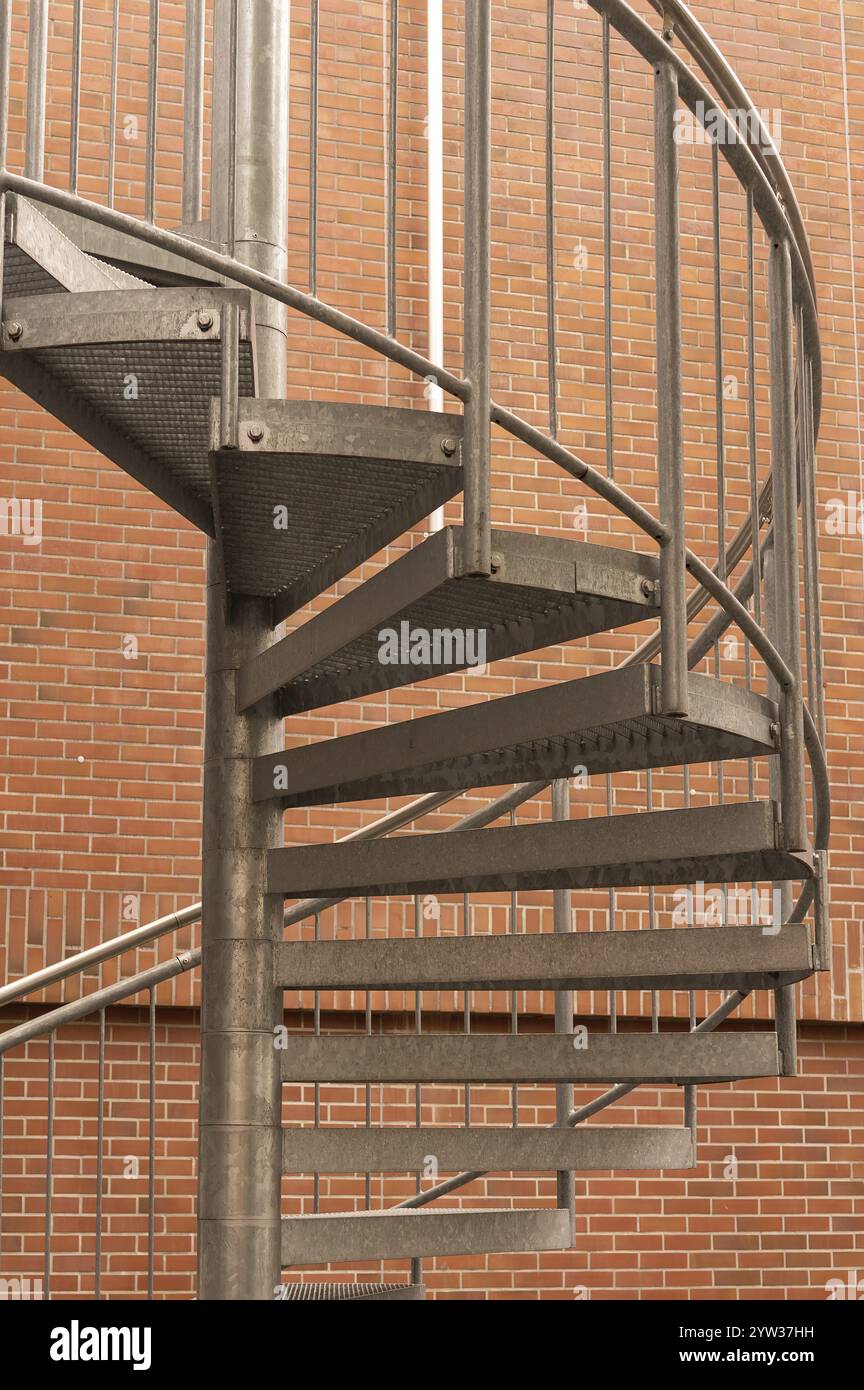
{"points": [[414, 1233], [342, 481], [603, 723], [584, 1148], [736, 842], [543, 590], [133, 372], [669, 1058], [674, 958]]}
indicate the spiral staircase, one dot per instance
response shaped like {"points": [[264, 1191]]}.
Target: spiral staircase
{"points": [[163, 381]]}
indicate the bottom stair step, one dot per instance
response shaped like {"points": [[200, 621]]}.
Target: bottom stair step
{"points": [[592, 1148], [352, 1293], [414, 1234]]}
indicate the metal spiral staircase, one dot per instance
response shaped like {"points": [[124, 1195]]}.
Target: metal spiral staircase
{"points": [[200, 430]]}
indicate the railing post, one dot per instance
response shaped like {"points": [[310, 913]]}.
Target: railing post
{"points": [[670, 434], [478, 98], [786, 633], [193, 111], [562, 922]]}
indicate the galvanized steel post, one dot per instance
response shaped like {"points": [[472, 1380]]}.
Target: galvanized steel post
{"points": [[240, 1155], [670, 436]]}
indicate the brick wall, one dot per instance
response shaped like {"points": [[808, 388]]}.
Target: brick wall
{"points": [[101, 639]]}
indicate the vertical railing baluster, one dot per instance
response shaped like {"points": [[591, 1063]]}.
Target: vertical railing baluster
{"points": [[720, 427], [514, 1003], [49, 1173], [551, 333], [5, 59], [112, 103], [670, 442], [752, 450], [193, 112], [608, 360], [75, 97], [100, 1154], [37, 76], [152, 95], [477, 437], [652, 903], [416, 1264], [392, 140], [314, 36], [151, 1139], [562, 924], [368, 1029], [316, 1114]]}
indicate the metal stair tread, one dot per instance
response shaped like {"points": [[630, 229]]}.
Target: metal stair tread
{"points": [[351, 1293], [672, 958], [543, 590], [602, 723], [666, 1058], [349, 480], [736, 842], [412, 1234], [133, 372], [391, 1149]]}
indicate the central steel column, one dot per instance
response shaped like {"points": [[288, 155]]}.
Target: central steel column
{"points": [[240, 1107]]}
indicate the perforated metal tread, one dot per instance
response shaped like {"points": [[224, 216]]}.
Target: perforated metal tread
{"points": [[392, 1149], [313, 489], [351, 1293], [544, 590], [38, 259], [412, 1234], [703, 958], [133, 372], [713, 844], [667, 1058], [604, 723]]}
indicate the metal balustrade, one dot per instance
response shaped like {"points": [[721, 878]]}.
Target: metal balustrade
{"points": [[758, 584]]}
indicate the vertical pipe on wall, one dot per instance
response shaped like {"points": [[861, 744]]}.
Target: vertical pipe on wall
{"points": [[75, 98], [551, 338], [670, 438], [240, 1160], [193, 112], [37, 74], [478, 97]]}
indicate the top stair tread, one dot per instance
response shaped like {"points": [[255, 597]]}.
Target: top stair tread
{"points": [[133, 372]]}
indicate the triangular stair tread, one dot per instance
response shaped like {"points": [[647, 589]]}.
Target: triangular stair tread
{"points": [[676, 958], [586, 1148], [133, 372], [351, 1293], [651, 1058], [543, 590], [712, 844], [603, 723], [415, 1233], [313, 489], [38, 259]]}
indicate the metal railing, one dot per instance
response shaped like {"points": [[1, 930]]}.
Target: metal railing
{"points": [[768, 535]]}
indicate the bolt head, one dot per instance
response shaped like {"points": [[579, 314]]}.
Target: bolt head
{"points": [[449, 447], [647, 587], [255, 433], [14, 330], [205, 321]]}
